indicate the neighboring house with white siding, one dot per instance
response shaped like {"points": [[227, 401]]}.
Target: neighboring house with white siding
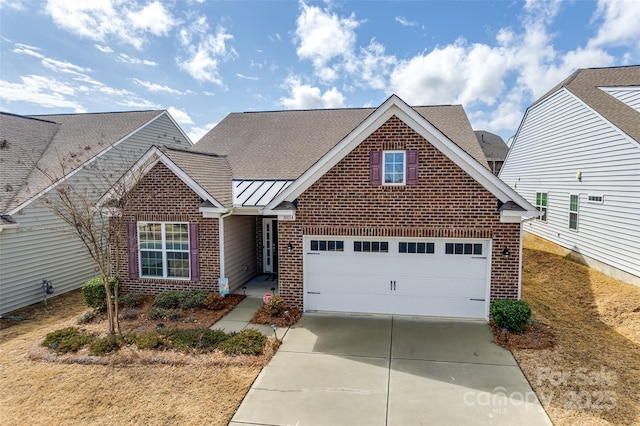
{"points": [[35, 244], [576, 156]]}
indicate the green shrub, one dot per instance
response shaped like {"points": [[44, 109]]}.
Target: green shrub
{"points": [[213, 301], [93, 292], [67, 340], [510, 314], [247, 342], [152, 340], [167, 300], [192, 299], [129, 300], [203, 340], [165, 314], [105, 345], [276, 306]]}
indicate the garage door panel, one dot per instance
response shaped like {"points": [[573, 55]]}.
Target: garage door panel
{"points": [[438, 284]]}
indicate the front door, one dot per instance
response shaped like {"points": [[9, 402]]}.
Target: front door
{"points": [[270, 245]]}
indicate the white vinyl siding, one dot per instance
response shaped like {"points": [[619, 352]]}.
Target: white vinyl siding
{"points": [[239, 249], [560, 137], [628, 95], [43, 248]]}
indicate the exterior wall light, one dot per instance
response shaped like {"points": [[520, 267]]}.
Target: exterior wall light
{"points": [[290, 247], [505, 252]]}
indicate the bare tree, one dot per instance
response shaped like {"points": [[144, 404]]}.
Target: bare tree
{"points": [[73, 195]]}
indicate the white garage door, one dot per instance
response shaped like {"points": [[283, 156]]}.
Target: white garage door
{"points": [[438, 277]]}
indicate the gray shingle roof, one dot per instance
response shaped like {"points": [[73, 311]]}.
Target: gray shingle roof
{"points": [[210, 171], [79, 135], [284, 144], [584, 84], [492, 145]]}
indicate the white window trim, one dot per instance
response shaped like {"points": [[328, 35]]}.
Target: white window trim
{"points": [[165, 265], [404, 168], [577, 213]]}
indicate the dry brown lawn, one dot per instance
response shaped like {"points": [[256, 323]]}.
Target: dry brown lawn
{"points": [[34, 392], [592, 374]]}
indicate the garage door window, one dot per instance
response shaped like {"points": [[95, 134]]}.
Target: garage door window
{"points": [[327, 245], [421, 248], [463, 248], [371, 246]]}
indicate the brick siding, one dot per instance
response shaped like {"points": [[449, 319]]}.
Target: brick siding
{"points": [[446, 203], [161, 196]]}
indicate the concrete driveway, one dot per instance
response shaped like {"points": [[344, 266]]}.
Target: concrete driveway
{"points": [[389, 370]]}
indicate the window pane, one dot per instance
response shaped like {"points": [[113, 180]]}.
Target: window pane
{"points": [[573, 203], [151, 262], [430, 248], [314, 245], [412, 247], [421, 248], [357, 246], [366, 246], [459, 248], [468, 249], [477, 249], [332, 246], [375, 246], [448, 248], [339, 245], [178, 264], [402, 247], [323, 246], [150, 235], [544, 199], [573, 220], [384, 247], [177, 236]]}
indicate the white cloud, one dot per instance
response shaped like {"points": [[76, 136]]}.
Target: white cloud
{"points": [[42, 91], [196, 133], [120, 20], [304, 96], [324, 36], [19, 5], [123, 57], [405, 22], [153, 87], [246, 77], [103, 49], [180, 116], [138, 103], [621, 23], [205, 51]]}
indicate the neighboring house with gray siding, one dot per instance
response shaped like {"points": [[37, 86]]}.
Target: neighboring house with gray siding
{"points": [[35, 244], [576, 156]]}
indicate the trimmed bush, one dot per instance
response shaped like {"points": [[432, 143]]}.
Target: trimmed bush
{"points": [[247, 342], [93, 292], [67, 340], [510, 314], [203, 340], [151, 340], [166, 314], [276, 306], [129, 300], [180, 299], [105, 345]]}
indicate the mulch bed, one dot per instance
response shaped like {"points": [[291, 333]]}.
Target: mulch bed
{"points": [[535, 335], [263, 316]]}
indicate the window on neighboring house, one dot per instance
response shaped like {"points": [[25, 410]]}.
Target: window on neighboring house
{"points": [[393, 168], [541, 204], [164, 250], [598, 199], [573, 211]]}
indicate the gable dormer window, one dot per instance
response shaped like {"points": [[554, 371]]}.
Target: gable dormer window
{"points": [[394, 168]]}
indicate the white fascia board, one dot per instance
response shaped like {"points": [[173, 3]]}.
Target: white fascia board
{"points": [[83, 165], [212, 212], [247, 211], [395, 106], [9, 226], [278, 212]]}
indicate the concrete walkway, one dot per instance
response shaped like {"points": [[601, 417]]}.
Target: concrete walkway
{"points": [[385, 370]]}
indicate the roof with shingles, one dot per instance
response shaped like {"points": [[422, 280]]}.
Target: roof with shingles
{"points": [[492, 145], [34, 146], [585, 84], [284, 144], [210, 171]]}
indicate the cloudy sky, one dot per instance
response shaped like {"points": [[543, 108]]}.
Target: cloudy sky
{"points": [[203, 59]]}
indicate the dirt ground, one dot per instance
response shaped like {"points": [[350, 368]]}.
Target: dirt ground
{"points": [[35, 392], [591, 376]]}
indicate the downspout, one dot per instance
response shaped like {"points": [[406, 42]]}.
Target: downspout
{"points": [[221, 239]]}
